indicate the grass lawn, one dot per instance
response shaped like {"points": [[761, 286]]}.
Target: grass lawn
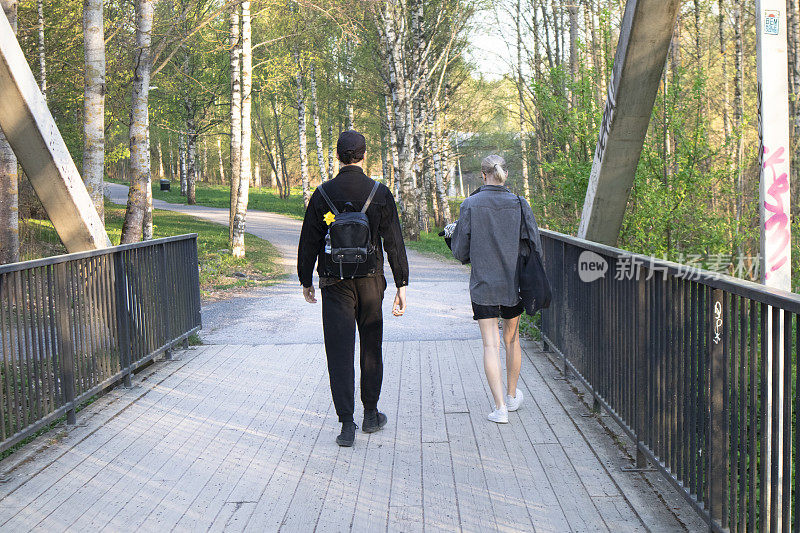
{"points": [[218, 270], [431, 243], [263, 199]]}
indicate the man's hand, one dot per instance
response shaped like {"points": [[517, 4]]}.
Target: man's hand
{"points": [[308, 294], [399, 306]]}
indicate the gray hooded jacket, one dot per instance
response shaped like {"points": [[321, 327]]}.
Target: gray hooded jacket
{"points": [[488, 236]]}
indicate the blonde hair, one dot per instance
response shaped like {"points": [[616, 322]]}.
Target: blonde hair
{"points": [[495, 168]]}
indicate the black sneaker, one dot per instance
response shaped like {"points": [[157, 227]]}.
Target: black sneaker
{"points": [[348, 434], [373, 421]]}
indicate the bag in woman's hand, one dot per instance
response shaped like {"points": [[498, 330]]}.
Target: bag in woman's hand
{"points": [[534, 287]]}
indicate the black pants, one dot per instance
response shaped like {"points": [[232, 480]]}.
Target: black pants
{"points": [[344, 305]]}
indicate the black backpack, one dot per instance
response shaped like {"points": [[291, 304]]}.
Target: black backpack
{"points": [[349, 252]]}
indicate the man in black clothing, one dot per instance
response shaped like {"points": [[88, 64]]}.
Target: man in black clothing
{"points": [[350, 302]]}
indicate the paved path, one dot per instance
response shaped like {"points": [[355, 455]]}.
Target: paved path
{"points": [[438, 295], [239, 436]]}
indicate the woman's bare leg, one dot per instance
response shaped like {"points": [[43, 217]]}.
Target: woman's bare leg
{"points": [[491, 358], [513, 353]]}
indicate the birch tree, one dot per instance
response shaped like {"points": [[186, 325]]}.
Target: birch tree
{"points": [[40, 44], [94, 101], [139, 137], [301, 129], [240, 215], [235, 111], [312, 81]]}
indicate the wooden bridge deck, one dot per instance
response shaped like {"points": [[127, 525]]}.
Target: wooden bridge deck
{"points": [[242, 438]]}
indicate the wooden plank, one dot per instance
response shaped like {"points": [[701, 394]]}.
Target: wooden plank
{"points": [[578, 506], [440, 506], [372, 504], [275, 436], [475, 508], [31, 501], [510, 511], [453, 396], [618, 515], [527, 427], [219, 448], [275, 499], [125, 483], [212, 498], [432, 408], [406, 485]]}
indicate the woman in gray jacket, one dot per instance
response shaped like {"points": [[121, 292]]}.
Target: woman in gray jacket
{"points": [[488, 235]]}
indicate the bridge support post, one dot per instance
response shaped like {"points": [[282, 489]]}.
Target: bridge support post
{"points": [[33, 135]]}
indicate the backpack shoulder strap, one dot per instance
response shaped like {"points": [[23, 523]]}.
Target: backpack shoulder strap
{"points": [[328, 200], [371, 196]]}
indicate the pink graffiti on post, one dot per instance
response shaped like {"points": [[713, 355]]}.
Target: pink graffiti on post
{"points": [[778, 220]]}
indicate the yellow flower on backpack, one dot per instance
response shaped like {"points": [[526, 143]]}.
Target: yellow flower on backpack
{"points": [[329, 218]]}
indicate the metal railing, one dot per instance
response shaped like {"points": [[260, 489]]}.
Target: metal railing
{"points": [[699, 369], [73, 325]]}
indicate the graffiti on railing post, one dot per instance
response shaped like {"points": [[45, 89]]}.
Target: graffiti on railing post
{"points": [[717, 322]]}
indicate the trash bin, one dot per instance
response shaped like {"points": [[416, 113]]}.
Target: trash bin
{"points": [[165, 185]]}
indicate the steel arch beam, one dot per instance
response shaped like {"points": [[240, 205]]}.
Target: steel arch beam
{"points": [[644, 41], [41, 151]]}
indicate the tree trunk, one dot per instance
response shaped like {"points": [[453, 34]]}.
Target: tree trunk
{"points": [[395, 157], [523, 130], [182, 162], [301, 130], [419, 67], [160, 161], [443, 208], [40, 43], [140, 151], [723, 49], [236, 111], [9, 188], [738, 109], [332, 166], [147, 221], [348, 77], [317, 127], [287, 186], [573, 52], [94, 90], [191, 162], [243, 194], [221, 162]]}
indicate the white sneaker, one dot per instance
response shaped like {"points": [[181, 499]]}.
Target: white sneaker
{"points": [[499, 415], [514, 402]]}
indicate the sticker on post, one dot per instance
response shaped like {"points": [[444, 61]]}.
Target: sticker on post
{"points": [[772, 23]]}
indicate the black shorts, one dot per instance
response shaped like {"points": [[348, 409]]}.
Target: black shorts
{"points": [[480, 312]]}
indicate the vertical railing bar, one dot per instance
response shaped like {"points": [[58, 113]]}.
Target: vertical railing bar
{"points": [[44, 367], [111, 330], [766, 419], [733, 413], [786, 449], [65, 340], [796, 480], [88, 306], [756, 315], [693, 475], [715, 407], [5, 412], [33, 334], [14, 342], [104, 290], [776, 415], [122, 314], [742, 362], [22, 348], [76, 328]]}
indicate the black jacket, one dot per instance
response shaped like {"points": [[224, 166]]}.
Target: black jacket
{"points": [[352, 185]]}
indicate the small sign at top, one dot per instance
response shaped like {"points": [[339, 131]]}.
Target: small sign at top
{"points": [[772, 23]]}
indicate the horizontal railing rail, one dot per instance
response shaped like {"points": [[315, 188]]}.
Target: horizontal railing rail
{"points": [[74, 325], [698, 368]]}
